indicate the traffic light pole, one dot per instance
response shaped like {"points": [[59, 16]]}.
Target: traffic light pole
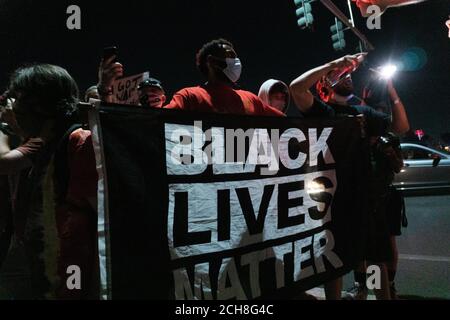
{"points": [[303, 13], [337, 35], [349, 23], [352, 19]]}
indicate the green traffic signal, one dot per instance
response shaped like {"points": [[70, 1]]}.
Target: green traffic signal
{"points": [[337, 35], [340, 45], [304, 13], [338, 26]]}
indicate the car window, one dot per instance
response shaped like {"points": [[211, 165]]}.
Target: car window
{"points": [[412, 153]]}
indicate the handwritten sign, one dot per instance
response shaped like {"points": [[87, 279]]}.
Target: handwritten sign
{"points": [[125, 89]]}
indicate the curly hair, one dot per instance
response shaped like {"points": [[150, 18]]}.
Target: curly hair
{"points": [[213, 47]]}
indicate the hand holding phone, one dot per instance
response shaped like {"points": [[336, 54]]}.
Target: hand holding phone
{"points": [[109, 52], [110, 70]]}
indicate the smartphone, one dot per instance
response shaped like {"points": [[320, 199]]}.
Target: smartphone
{"points": [[108, 52]]}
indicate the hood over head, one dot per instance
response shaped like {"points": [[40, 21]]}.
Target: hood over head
{"points": [[265, 90]]}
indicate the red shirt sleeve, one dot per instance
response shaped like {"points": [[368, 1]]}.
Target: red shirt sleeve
{"points": [[179, 100], [264, 109], [82, 167]]}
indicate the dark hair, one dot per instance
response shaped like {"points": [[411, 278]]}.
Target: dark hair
{"points": [[279, 87], [88, 91], [55, 91], [214, 48]]}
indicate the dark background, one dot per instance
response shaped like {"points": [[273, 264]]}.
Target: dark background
{"points": [[163, 37]]}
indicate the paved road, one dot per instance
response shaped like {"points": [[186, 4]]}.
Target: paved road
{"points": [[424, 265], [425, 248]]}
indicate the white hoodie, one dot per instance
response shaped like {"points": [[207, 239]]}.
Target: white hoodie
{"points": [[265, 90]]}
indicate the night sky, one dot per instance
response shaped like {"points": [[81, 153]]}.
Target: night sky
{"points": [[163, 37]]}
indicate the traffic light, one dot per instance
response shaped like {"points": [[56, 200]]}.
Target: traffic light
{"points": [[337, 35], [303, 12]]}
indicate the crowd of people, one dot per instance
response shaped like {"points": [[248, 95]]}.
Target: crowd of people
{"points": [[48, 173]]}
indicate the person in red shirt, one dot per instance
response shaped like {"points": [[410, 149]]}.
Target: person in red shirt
{"points": [[218, 62]]}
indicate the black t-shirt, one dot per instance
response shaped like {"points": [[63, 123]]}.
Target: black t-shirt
{"points": [[377, 122]]}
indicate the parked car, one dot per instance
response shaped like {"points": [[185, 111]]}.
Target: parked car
{"points": [[425, 169]]}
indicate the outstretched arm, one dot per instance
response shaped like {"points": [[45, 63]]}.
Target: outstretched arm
{"points": [[300, 87], [400, 123]]}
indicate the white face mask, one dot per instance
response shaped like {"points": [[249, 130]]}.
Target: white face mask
{"points": [[233, 69]]}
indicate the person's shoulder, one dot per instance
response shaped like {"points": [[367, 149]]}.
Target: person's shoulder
{"points": [[319, 109], [80, 137], [80, 134], [262, 108], [317, 102], [190, 91], [247, 93], [250, 96]]}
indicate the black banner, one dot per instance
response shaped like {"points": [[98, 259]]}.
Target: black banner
{"points": [[207, 206]]}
